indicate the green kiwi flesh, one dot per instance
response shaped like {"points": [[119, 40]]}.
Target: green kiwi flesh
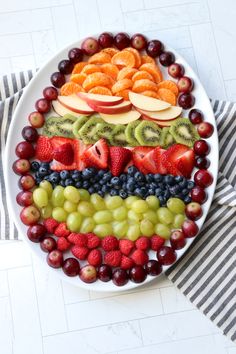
{"points": [[184, 132], [148, 134], [118, 137], [130, 133], [59, 126], [105, 130], [78, 124], [88, 131]]}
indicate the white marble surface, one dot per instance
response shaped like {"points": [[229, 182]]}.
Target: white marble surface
{"points": [[40, 314]]}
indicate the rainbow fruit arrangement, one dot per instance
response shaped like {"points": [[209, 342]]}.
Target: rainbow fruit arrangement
{"points": [[106, 181]]}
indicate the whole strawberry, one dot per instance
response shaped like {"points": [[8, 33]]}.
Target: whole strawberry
{"points": [[119, 157], [110, 243], [44, 149]]}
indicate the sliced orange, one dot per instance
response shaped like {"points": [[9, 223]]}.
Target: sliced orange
{"points": [[100, 58], [147, 59], [122, 85], [69, 88], [142, 75], [110, 69], [111, 51], [170, 85], [126, 73], [100, 90], [91, 68], [124, 58], [167, 96], [144, 85], [153, 70], [78, 67], [78, 78], [136, 56], [150, 94], [124, 94], [97, 79]]}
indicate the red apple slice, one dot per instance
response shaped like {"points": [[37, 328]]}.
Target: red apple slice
{"points": [[101, 100], [62, 110], [161, 123], [75, 104], [168, 114], [147, 103], [122, 118], [119, 108]]}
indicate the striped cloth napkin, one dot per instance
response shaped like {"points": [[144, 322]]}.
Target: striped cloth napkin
{"points": [[206, 274]]}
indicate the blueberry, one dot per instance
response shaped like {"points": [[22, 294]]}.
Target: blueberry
{"points": [[139, 177], [158, 192], [151, 191], [76, 176], [178, 179], [91, 190], [130, 186], [190, 185], [87, 173], [130, 180], [140, 192], [47, 178], [45, 165], [114, 192], [174, 189], [54, 177], [62, 183], [153, 185], [132, 170], [69, 182], [37, 180], [123, 194], [169, 179], [97, 186], [149, 178], [105, 188], [101, 194], [187, 199], [107, 177], [86, 185], [166, 194], [42, 171], [123, 177], [157, 177], [185, 191], [162, 200], [64, 174], [78, 184], [115, 181], [100, 182], [161, 185], [101, 173], [34, 166], [183, 184]]}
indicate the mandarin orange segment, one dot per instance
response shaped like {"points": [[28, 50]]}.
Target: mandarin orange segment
{"points": [[126, 73], [110, 69], [97, 79], [78, 67], [101, 90], [170, 85], [111, 51], [69, 88], [124, 94], [147, 59], [100, 58], [142, 75], [153, 70], [167, 96], [124, 58], [144, 85], [78, 78], [136, 56], [122, 85], [91, 68], [150, 94]]}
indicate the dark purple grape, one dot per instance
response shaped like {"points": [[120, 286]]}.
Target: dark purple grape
{"points": [[154, 48], [105, 39], [65, 66], [58, 79], [122, 40], [75, 55], [167, 58]]}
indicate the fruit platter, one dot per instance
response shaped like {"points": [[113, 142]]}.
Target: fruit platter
{"points": [[111, 161]]}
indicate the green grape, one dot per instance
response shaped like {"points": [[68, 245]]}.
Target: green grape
{"points": [[120, 228], [134, 216], [176, 205], [133, 232], [165, 216], [151, 215], [103, 230], [87, 225], [85, 208], [72, 194], [163, 231], [46, 212], [84, 195], [69, 206], [73, 221], [178, 221], [120, 213], [47, 186], [140, 206], [146, 228], [97, 201], [58, 198], [153, 202], [40, 197], [102, 217], [113, 202], [129, 201], [59, 214]]}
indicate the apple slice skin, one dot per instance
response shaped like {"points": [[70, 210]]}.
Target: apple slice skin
{"points": [[123, 118], [120, 108], [147, 103], [75, 104], [161, 123], [101, 100], [62, 110], [168, 114]]}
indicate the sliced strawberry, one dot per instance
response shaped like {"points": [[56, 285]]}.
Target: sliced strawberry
{"points": [[57, 142], [130, 163], [44, 149], [79, 148], [185, 163], [57, 166], [139, 153], [119, 157], [159, 160], [64, 154], [97, 155], [171, 156], [149, 162]]}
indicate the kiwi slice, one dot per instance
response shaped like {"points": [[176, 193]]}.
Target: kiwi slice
{"points": [[129, 133], [59, 126], [78, 124], [118, 137], [166, 138], [88, 132], [148, 133], [184, 132], [105, 130]]}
